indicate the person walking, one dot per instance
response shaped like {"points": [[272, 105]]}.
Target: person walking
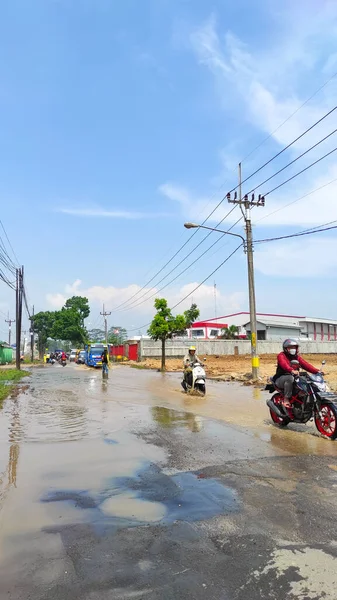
{"points": [[105, 362]]}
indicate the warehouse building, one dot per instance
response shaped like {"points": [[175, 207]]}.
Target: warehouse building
{"points": [[270, 327]]}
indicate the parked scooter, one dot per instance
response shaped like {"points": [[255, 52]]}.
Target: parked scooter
{"points": [[198, 380]]}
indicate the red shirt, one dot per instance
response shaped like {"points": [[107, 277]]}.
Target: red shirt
{"points": [[284, 366]]}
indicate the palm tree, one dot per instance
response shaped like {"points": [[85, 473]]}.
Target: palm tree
{"points": [[230, 333]]}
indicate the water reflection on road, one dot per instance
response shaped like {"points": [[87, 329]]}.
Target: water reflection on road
{"points": [[76, 451]]}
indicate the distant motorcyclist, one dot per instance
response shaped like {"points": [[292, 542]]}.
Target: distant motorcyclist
{"points": [[286, 372], [63, 356], [190, 360]]}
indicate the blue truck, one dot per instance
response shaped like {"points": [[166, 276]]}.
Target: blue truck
{"points": [[93, 353]]}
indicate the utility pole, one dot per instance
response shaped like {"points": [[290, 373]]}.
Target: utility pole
{"points": [[19, 291], [32, 336], [248, 204], [9, 321], [105, 314]]}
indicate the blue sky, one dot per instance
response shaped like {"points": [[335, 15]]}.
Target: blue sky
{"points": [[121, 120]]}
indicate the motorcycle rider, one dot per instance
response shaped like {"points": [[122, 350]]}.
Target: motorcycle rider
{"points": [[190, 360], [286, 372], [63, 356]]}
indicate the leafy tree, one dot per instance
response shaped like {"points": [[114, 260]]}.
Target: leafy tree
{"points": [[117, 335], [81, 305], [68, 326], [164, 325], [230, 333], [96, 335], [43, 325], [191, 315]]}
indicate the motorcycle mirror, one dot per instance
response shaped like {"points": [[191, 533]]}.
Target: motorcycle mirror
{"points": [[323, 362], [205, 359]]}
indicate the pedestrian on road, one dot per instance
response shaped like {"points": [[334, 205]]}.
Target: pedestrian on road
{"points": [[105, 362]]}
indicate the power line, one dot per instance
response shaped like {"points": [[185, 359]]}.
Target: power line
{"points": [[8, 240], [300, 233], [297, 200], [285, 148], [176, 266], [268, 162], [300, 172], [196, 288], [188, 267], [290, 116], [293, 161]]}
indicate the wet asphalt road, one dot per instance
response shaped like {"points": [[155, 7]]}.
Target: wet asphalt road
{"points": [[131, 490]]}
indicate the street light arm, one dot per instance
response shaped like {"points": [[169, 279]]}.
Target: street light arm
{"points": [[195, 226]]}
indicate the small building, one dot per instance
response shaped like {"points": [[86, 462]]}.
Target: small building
{"points": [[6, 353], [206, 330], [275, 330]]}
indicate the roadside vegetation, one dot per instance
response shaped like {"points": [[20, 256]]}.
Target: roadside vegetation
{"points": [[8, 379]]}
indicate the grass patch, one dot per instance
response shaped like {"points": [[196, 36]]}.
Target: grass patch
{"points": [[12, 375], [135, 366], [5, 391], [9, 375]]}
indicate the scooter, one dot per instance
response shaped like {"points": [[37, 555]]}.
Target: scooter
{"points": [[198, 380]]}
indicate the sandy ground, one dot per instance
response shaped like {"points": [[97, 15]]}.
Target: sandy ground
{"points": [[236, 367]]}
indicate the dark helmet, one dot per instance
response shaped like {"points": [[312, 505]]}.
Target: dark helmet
{"points": [[288, 343]]}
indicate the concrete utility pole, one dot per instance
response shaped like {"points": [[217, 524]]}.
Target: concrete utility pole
{"points": [[32, 336], [9, 321], [105, 315], [19, 292], [248, 247]]}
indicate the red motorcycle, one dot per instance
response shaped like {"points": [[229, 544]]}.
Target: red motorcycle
{"points": [[311, 400]]}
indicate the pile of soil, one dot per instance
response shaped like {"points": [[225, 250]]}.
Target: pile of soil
{"points": [[238, 368]]}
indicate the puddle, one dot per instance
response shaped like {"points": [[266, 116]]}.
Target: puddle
{"points": [[152, 496]]}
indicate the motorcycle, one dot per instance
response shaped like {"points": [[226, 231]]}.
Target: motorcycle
{"points": [[198, 380], [311, 400], [63, 362]]}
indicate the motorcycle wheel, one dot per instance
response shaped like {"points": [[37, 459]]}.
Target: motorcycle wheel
{"points": [[201, 388], [326, 421], [280, 421]]}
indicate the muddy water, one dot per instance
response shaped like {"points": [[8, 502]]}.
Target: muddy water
{"points": [[74, 449]]}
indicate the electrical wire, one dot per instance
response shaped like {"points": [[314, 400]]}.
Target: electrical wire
{"points": [[133, 305], [300, 172], [293, 235], [293, 161], [284, 149], [8, 240], [292, 115], [297, 200], [124, 304], [188, 267], [197, 287], [244, 159]]}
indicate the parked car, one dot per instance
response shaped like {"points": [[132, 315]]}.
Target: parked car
{"points": [[72, 356], [81, 357]]}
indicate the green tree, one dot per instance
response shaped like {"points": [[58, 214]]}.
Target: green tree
{"points": [[68, 326], [43, 326], [81, 305], [164, 325], [96, 335], [191, 315], [230, 333], [117, 335]]}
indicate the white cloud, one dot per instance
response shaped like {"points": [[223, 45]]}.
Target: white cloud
{"points": [[112, 297], [112, 214], [315, 257], [265, 86]]}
